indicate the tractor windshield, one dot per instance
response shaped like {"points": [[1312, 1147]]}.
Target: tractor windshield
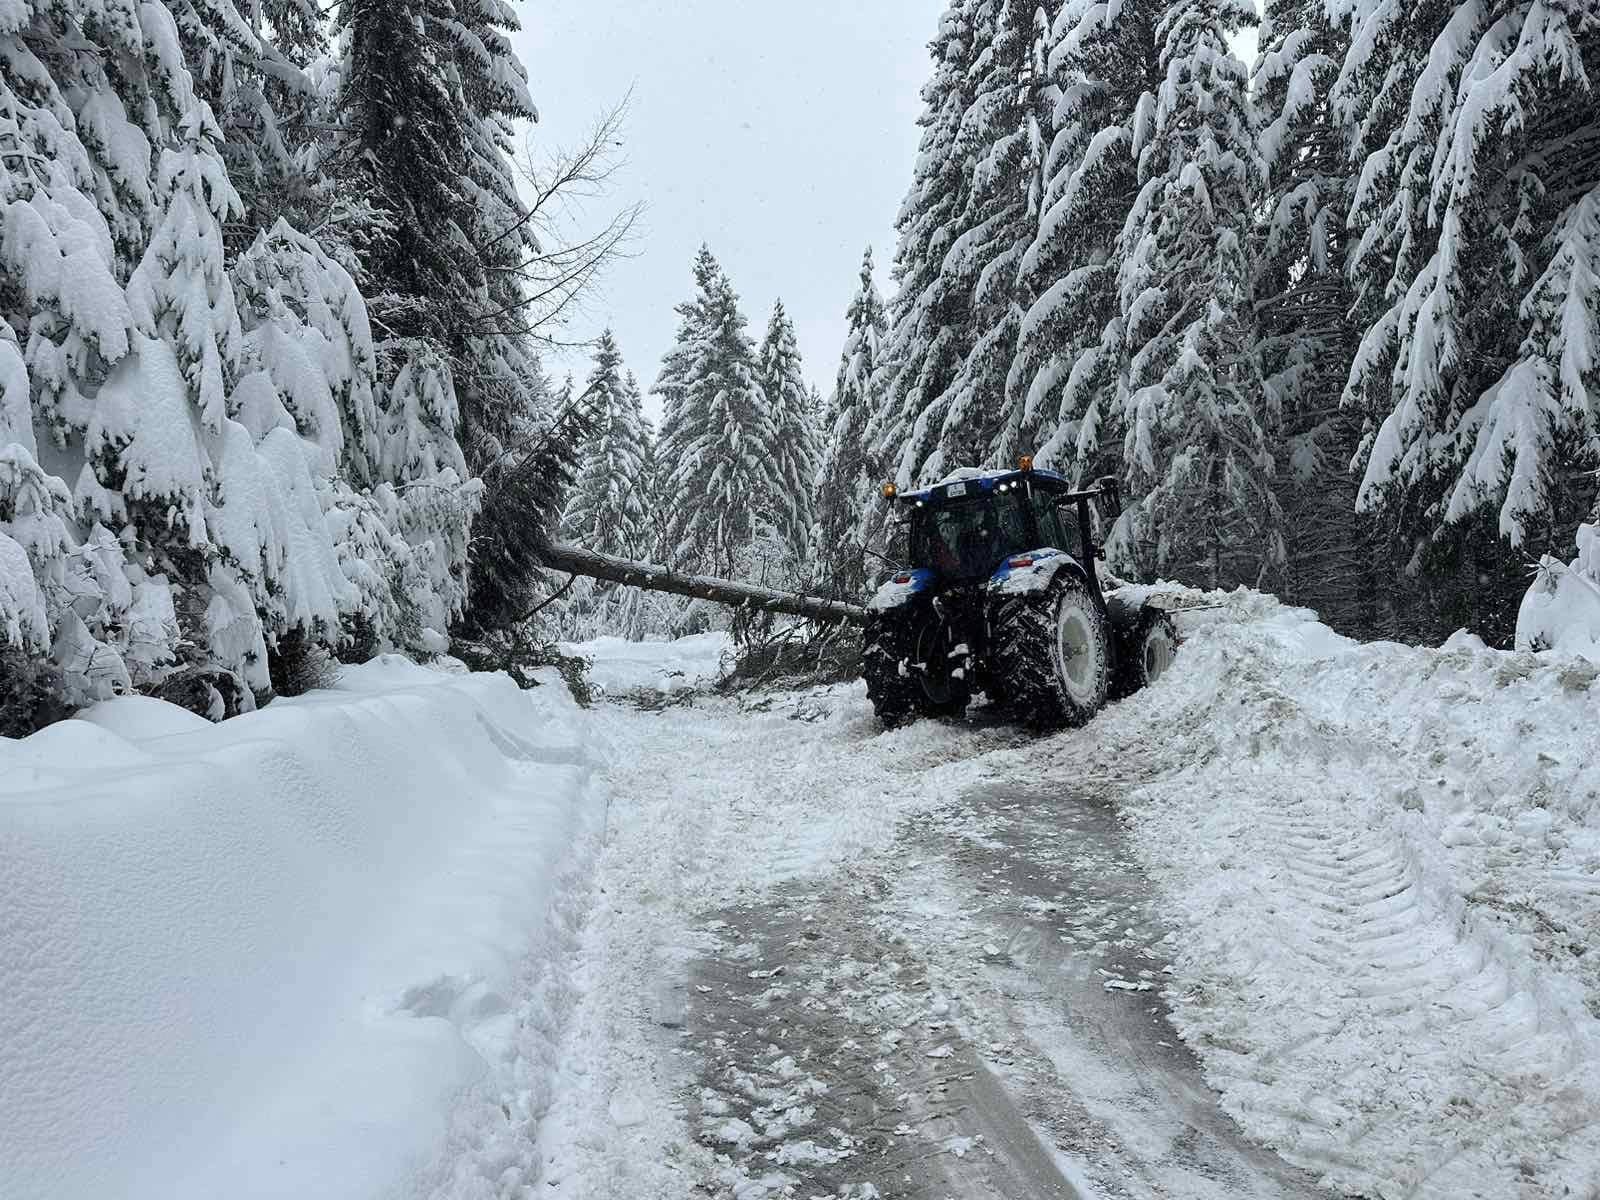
{"points": [[968, 538]]}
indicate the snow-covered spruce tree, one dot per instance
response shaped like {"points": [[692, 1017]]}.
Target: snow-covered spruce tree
{"points": [[429, 90], [1474, 274], [1568, 323], [792, 471], [1061, 395], [249, 63], [715, 447], [516, 436], [75, 203], [528, 483], [847, 477], [1000, 139], [169, 403], [608, 507], [308, 367], [150, 429], [671, 381], [1303, 333], [930, 317], [1195, 445], [235, 402], [222, 421]]}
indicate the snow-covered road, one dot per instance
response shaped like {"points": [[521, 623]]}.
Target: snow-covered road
{"points": [[874, 965], [1310, 917]]}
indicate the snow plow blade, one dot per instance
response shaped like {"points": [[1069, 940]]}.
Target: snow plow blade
{"points": [[574, 561]]}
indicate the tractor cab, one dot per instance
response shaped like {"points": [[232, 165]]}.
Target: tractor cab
{"points": [[969, 526]]}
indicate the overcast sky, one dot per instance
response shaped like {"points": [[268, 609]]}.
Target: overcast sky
{"points": [[782, 135]]}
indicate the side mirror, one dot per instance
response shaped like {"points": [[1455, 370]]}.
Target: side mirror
{"points": [[1110, 497]]}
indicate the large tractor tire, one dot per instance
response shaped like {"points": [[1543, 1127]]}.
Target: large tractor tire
{"points": [[1051, 655], [908, 662], [1145, 652]]}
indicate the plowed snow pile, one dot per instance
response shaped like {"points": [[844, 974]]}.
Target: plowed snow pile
{"points": [[1385, 863], [313, 951]]}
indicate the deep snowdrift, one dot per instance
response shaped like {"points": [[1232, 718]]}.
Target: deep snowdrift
{"points": [[283, 956]]}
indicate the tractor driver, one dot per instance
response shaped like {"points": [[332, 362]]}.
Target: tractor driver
{"points": [[980, 544], [945, 560]]}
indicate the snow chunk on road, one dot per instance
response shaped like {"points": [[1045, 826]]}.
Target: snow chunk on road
{"points": [[620, 667], [281, 956]]}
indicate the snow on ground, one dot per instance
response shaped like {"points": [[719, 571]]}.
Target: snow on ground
{"points": [[618, 667], [1380, 867], [428, 936], [1384, 863], [313, 951]]}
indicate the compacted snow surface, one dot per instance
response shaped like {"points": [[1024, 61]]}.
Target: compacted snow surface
{"points": [[1306, 917]]}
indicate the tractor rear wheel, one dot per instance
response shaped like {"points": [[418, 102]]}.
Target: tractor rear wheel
{"points": [[909, 664], [1146, 651], [1051, 655]]}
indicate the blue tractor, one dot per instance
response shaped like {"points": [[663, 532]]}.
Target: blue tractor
{"points": [[1001, 595]]}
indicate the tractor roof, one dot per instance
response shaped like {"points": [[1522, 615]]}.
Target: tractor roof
{"points": [[968, 482]]}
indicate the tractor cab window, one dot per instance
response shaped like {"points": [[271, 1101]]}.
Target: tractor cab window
{"points": [[968, 538], [1058, 526]]}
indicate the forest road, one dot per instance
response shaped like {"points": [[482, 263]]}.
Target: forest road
{"points": [[976, 1014]]}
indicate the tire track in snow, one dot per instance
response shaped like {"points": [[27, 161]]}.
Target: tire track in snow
{"points": [[1396, 1042], [1386, 1002], [1403, 955], [711, 804], [1046, 925]]}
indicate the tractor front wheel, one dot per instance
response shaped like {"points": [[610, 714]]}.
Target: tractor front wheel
{"points": [[1052, 655], [1146, 651], [909, 663]]}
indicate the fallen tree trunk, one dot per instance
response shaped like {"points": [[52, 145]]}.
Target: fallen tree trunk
{"points": [[655, 578]]}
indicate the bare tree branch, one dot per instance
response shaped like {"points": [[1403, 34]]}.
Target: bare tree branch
{"points": [[555, 256]]}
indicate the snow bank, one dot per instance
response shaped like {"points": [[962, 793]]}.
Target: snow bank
{"points": [[279, 956], [619, 667], [1385, 865]]}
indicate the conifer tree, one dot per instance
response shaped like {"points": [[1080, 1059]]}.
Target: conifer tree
{"points": [[793, 469], [1303, 335], [209, 414], [1195, 444], [716, 432], [1061, 394], [930, 321], [1479, 134], [846, 482], [430, 91], [607, 510], [672, 380], [1000, 139], [609, 506]]}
